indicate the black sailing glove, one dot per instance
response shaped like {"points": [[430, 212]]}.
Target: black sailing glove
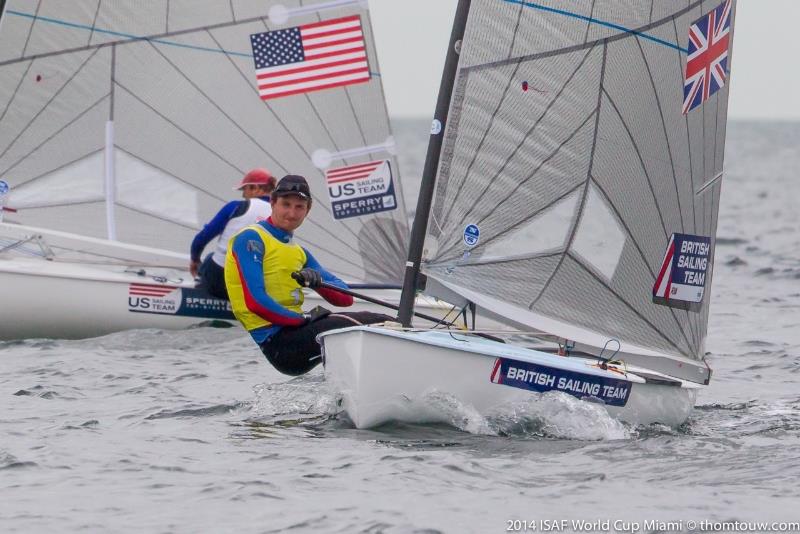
{"points": [[308, 278], [316, 314]]}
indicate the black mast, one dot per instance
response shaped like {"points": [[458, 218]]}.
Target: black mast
{"points": [[411, 279], [2, 8]]}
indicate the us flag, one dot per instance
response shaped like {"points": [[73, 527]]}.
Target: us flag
{"points": [[707, 66], [352, 172], [311, 57]]}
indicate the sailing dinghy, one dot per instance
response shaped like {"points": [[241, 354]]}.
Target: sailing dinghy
{"points": [[124, 126], [571, 189]]}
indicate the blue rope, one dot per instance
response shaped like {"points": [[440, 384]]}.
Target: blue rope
{"points": [[599, 22]]}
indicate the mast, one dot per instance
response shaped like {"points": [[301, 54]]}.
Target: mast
{"points": [[422, 214]]}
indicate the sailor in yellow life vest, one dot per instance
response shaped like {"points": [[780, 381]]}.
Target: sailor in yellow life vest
{"points": [[268, 301]]}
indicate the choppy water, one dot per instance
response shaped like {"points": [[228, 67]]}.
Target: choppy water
{"points": [[193, 431]]}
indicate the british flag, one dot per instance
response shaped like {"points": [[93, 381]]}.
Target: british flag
{"points": [[707, 65]]}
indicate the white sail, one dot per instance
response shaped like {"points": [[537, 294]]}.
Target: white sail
{"points": [[134, 120], [577, 148]]}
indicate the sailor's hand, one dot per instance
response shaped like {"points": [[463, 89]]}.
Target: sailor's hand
{"points": [[308, 278], [194, 268]]}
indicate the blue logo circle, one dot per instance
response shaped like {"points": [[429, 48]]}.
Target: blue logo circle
{"points": [[3, 187], [471, 235]]}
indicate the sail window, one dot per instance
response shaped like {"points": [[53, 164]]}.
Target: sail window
{"points": [[545, 232], [599, 239]]}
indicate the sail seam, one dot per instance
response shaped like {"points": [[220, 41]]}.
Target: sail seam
{"points": [[583, 46], [128, 38], [168, 173], [523, 140], [58, 168], [212, 102], [48, 139], [493, 117], [591, 20], [178, 128], [94, 22], [666, 132], [641, 159], [636, 312], [642, 255], [47, 104], [579, 210], [16, 90], [30, 30], [532, 216]]}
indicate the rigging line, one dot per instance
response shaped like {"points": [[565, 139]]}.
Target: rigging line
{"points": [[233, 13], [58, 168], [178, 128], [666, 134], [94, 22], [635, 242], [489, 126], [524, 139], [166, 22], [213, 103], [47, 104], [630, 307], [510, 229], [641, 159], [172, 175], [652, 5], [128, 38], [48, 139], [579, 212], [592, 20], [16, 90]]}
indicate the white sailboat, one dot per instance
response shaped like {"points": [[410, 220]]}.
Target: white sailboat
{"points": [[573, 143], [124, 126]]}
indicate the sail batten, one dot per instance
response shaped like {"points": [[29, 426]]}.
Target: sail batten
{"points": [[576, 148]]}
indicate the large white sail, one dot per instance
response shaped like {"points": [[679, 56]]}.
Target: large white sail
{"points": [[135, 119], [581, 144]]}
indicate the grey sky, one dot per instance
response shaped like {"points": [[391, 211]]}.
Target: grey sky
{"points": [[412, 36]]}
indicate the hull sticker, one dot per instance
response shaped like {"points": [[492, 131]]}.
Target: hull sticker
{"points": [[540, 378]]}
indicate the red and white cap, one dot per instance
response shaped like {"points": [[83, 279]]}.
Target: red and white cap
{"points": [[257, 177]]}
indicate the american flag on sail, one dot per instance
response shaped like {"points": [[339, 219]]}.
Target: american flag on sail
{"points": [[707, 65], [310, 57]]}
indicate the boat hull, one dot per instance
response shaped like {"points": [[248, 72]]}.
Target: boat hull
{"points": [[62, 300], [384, 375]]}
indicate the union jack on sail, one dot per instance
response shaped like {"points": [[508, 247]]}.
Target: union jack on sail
{"points": [[707, 65]]}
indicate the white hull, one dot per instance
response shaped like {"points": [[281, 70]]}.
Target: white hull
{"points": [[50, 299], [386, 375]]}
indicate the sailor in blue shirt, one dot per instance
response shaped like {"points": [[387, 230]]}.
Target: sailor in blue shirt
{"points": [[256, 187]]}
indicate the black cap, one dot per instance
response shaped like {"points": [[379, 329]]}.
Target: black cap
{"points": [[292, 184]]}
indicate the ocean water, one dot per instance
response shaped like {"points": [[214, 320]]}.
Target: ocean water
{"points": [[192, 431]]}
